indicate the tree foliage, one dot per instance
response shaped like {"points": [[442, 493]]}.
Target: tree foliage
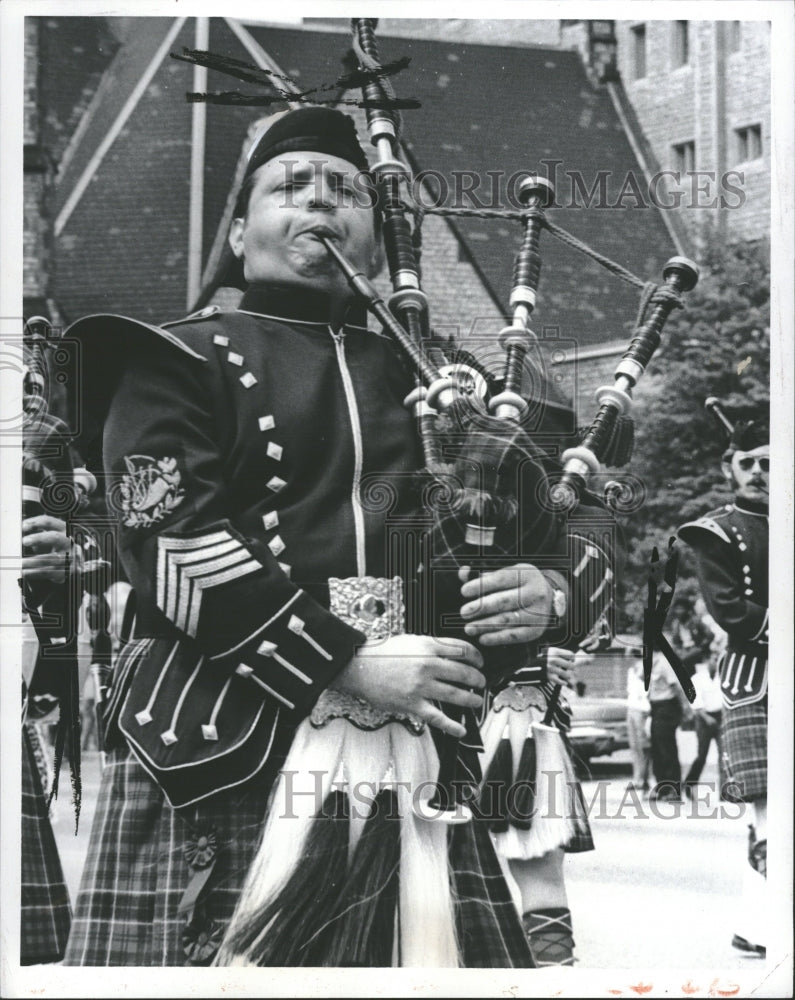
{"points": [[718, 345]]}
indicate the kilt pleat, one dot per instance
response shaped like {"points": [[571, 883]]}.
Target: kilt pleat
{"points": [[744, 746], [136, 872], [489, 930], [46, 910]]}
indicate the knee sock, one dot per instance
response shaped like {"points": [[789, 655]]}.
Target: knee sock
{"points": [[549, 935]]}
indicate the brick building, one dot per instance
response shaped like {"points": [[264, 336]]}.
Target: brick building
{"points": [[112, 114], [701, 92], [120, 168]]}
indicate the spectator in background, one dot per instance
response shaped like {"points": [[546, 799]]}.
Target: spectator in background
{"points": [[708, 709], [709, 623], [690, 635], [669, 706], [638, 724]]}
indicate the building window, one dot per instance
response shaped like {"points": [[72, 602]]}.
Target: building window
{"points": [[602, 30], [639, 51], [734, 36], [685, 157], [681, 43], [749, 143]]}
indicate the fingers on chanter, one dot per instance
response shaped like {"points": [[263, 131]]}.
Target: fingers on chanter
{"points": [[458, 673], [512, 636], [492, 581], [454, 695], [459, 650]]}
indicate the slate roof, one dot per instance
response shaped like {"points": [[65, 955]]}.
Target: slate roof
{"points": [[123, 248], [74, 53]]}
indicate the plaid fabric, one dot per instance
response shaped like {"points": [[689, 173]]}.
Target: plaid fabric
{"points": [[744, 750], [136, 874], [136, 871], [582, 840], [45, 909], [489, 928]]}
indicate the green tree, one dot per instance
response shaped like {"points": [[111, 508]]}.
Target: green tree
{"points": [[718, 345]]}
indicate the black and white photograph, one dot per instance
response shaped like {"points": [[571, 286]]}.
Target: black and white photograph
{"points": [[390, 549]]}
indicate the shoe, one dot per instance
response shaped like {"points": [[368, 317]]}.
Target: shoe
{"points": [[758, 857], [742, 944], [664, 794]]}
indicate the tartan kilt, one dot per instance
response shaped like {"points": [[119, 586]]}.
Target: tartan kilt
{"points": [[744, 750], [46, 912], [136, 873], [490, 932]]}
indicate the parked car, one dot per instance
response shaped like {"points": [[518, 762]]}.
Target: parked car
{"points": [[598, 726], [599, 705]]}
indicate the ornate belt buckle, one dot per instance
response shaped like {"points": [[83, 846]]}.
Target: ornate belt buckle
{"points": [[372, 604], [375, 606]]}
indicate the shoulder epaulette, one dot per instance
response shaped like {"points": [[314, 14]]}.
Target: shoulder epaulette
{"points": [[108, 343], [706, 523], [201, 314], [106, 333]]}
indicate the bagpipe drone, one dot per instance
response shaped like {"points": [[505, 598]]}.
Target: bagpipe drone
{"points": [[55, 483], [343, 878]]}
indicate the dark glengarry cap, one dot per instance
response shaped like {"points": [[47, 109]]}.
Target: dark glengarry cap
{"points": [[319, 129], [748, 434], [740, 434], [311, 129]]}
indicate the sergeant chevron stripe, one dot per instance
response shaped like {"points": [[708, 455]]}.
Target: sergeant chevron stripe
{"points": [[188, 566]]}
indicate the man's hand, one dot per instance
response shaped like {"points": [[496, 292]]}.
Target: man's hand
{"points": [[507, 606], [560, 666], [707, 717], [407, 673], [49, 550]]}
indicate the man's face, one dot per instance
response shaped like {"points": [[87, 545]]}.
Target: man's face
{"points": [[749, 473], [295, 197]]}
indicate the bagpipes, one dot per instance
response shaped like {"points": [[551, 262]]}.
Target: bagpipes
{"points": [[346, 878], [54, 483]]}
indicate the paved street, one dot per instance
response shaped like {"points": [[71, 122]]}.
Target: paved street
{"points": [[657, 893]]}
